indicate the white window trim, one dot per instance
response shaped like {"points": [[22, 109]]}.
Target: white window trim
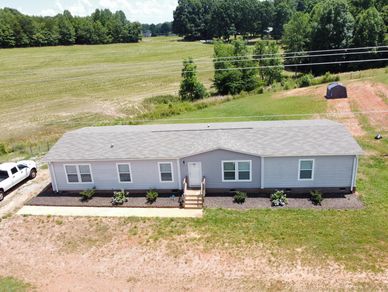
{"points": [[79, 174], [236, 171], [160, 173], [312, 170], [118, 172]]}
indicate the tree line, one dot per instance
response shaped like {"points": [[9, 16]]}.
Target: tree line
{"points": [[302, 25], [203, 19], [160, 29], [101, 27]]}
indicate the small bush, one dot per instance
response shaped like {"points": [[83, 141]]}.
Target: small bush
{"points": [[151, 196], [240, 197], [328, 77], [316, 197], [162, 99], [289, 84], [119, 198], [3, 150], [306, 80], [279, 198], [86, 195]]}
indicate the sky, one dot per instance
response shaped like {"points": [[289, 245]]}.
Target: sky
{"points": [[145, 11]]}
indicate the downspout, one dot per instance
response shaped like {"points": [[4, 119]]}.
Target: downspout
{"points": [[262, 173], [53, 177], [354, 173], [179, 174]]}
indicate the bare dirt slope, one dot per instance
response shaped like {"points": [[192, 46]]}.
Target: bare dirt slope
{"points": [[80, 254], [365, 96]]}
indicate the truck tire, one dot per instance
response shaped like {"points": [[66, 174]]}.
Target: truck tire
{"points": [[32, 173], [1, 195]]}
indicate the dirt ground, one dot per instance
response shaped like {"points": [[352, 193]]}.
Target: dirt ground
{"points": [[88, 254], [363, 96]]}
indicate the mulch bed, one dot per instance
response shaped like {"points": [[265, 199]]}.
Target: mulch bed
{"points": [[331, 201], [101, 201], [342, 202]]}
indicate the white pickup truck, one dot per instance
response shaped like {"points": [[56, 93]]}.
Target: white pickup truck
{"points": [[13, 173]]}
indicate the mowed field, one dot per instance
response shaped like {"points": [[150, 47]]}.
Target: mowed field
{"points": [[44, 91]]}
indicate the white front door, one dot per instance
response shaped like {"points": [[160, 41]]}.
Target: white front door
{"points": [[195, 174]]}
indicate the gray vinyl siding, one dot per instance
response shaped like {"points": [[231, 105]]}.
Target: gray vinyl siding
{"points": [[212, 168], [329, 171], [145, 175]]}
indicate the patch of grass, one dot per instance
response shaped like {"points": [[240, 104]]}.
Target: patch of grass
{"points": [[256, 107], [11, 284]]}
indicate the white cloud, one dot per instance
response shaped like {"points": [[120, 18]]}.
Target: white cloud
{"points": [[143, 11], [48, 12], [81, 8]]}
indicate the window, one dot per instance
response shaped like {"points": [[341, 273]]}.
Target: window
{"points": [[165, 171], [14, 170], [236, 170], [3, 175], [22, 166], [85, 174], [306, 168], [71, 172], [78, 173], [124, 171]]}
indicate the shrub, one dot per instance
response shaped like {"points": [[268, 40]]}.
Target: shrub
{"points": [[279, 198], [316, 197], [326, 78], [239, 197], [162, 99], [86, 195], [305, 80], [191, 88], [151, 196], [119, 198], [3, 150]]}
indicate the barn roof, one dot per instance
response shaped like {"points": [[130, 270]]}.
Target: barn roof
{"points": [[270, 138]]}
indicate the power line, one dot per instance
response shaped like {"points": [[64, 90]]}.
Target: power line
{"points": [[238, 59], [156, 73], [344, 113], [314, 51], [266, 54]]}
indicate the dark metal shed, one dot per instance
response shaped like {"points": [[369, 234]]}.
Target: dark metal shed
{"points": [[336, 90]]}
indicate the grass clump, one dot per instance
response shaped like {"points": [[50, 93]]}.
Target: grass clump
{"points": [[11, 284]]}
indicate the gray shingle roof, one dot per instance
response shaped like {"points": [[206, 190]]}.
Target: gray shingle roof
{"points": [[273, 138]]}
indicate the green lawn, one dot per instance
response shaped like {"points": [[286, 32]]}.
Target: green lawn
{"points": [[256, 107], [10, 284]]}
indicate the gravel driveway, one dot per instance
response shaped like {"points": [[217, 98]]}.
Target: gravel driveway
{"points": [[24, 192]]}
